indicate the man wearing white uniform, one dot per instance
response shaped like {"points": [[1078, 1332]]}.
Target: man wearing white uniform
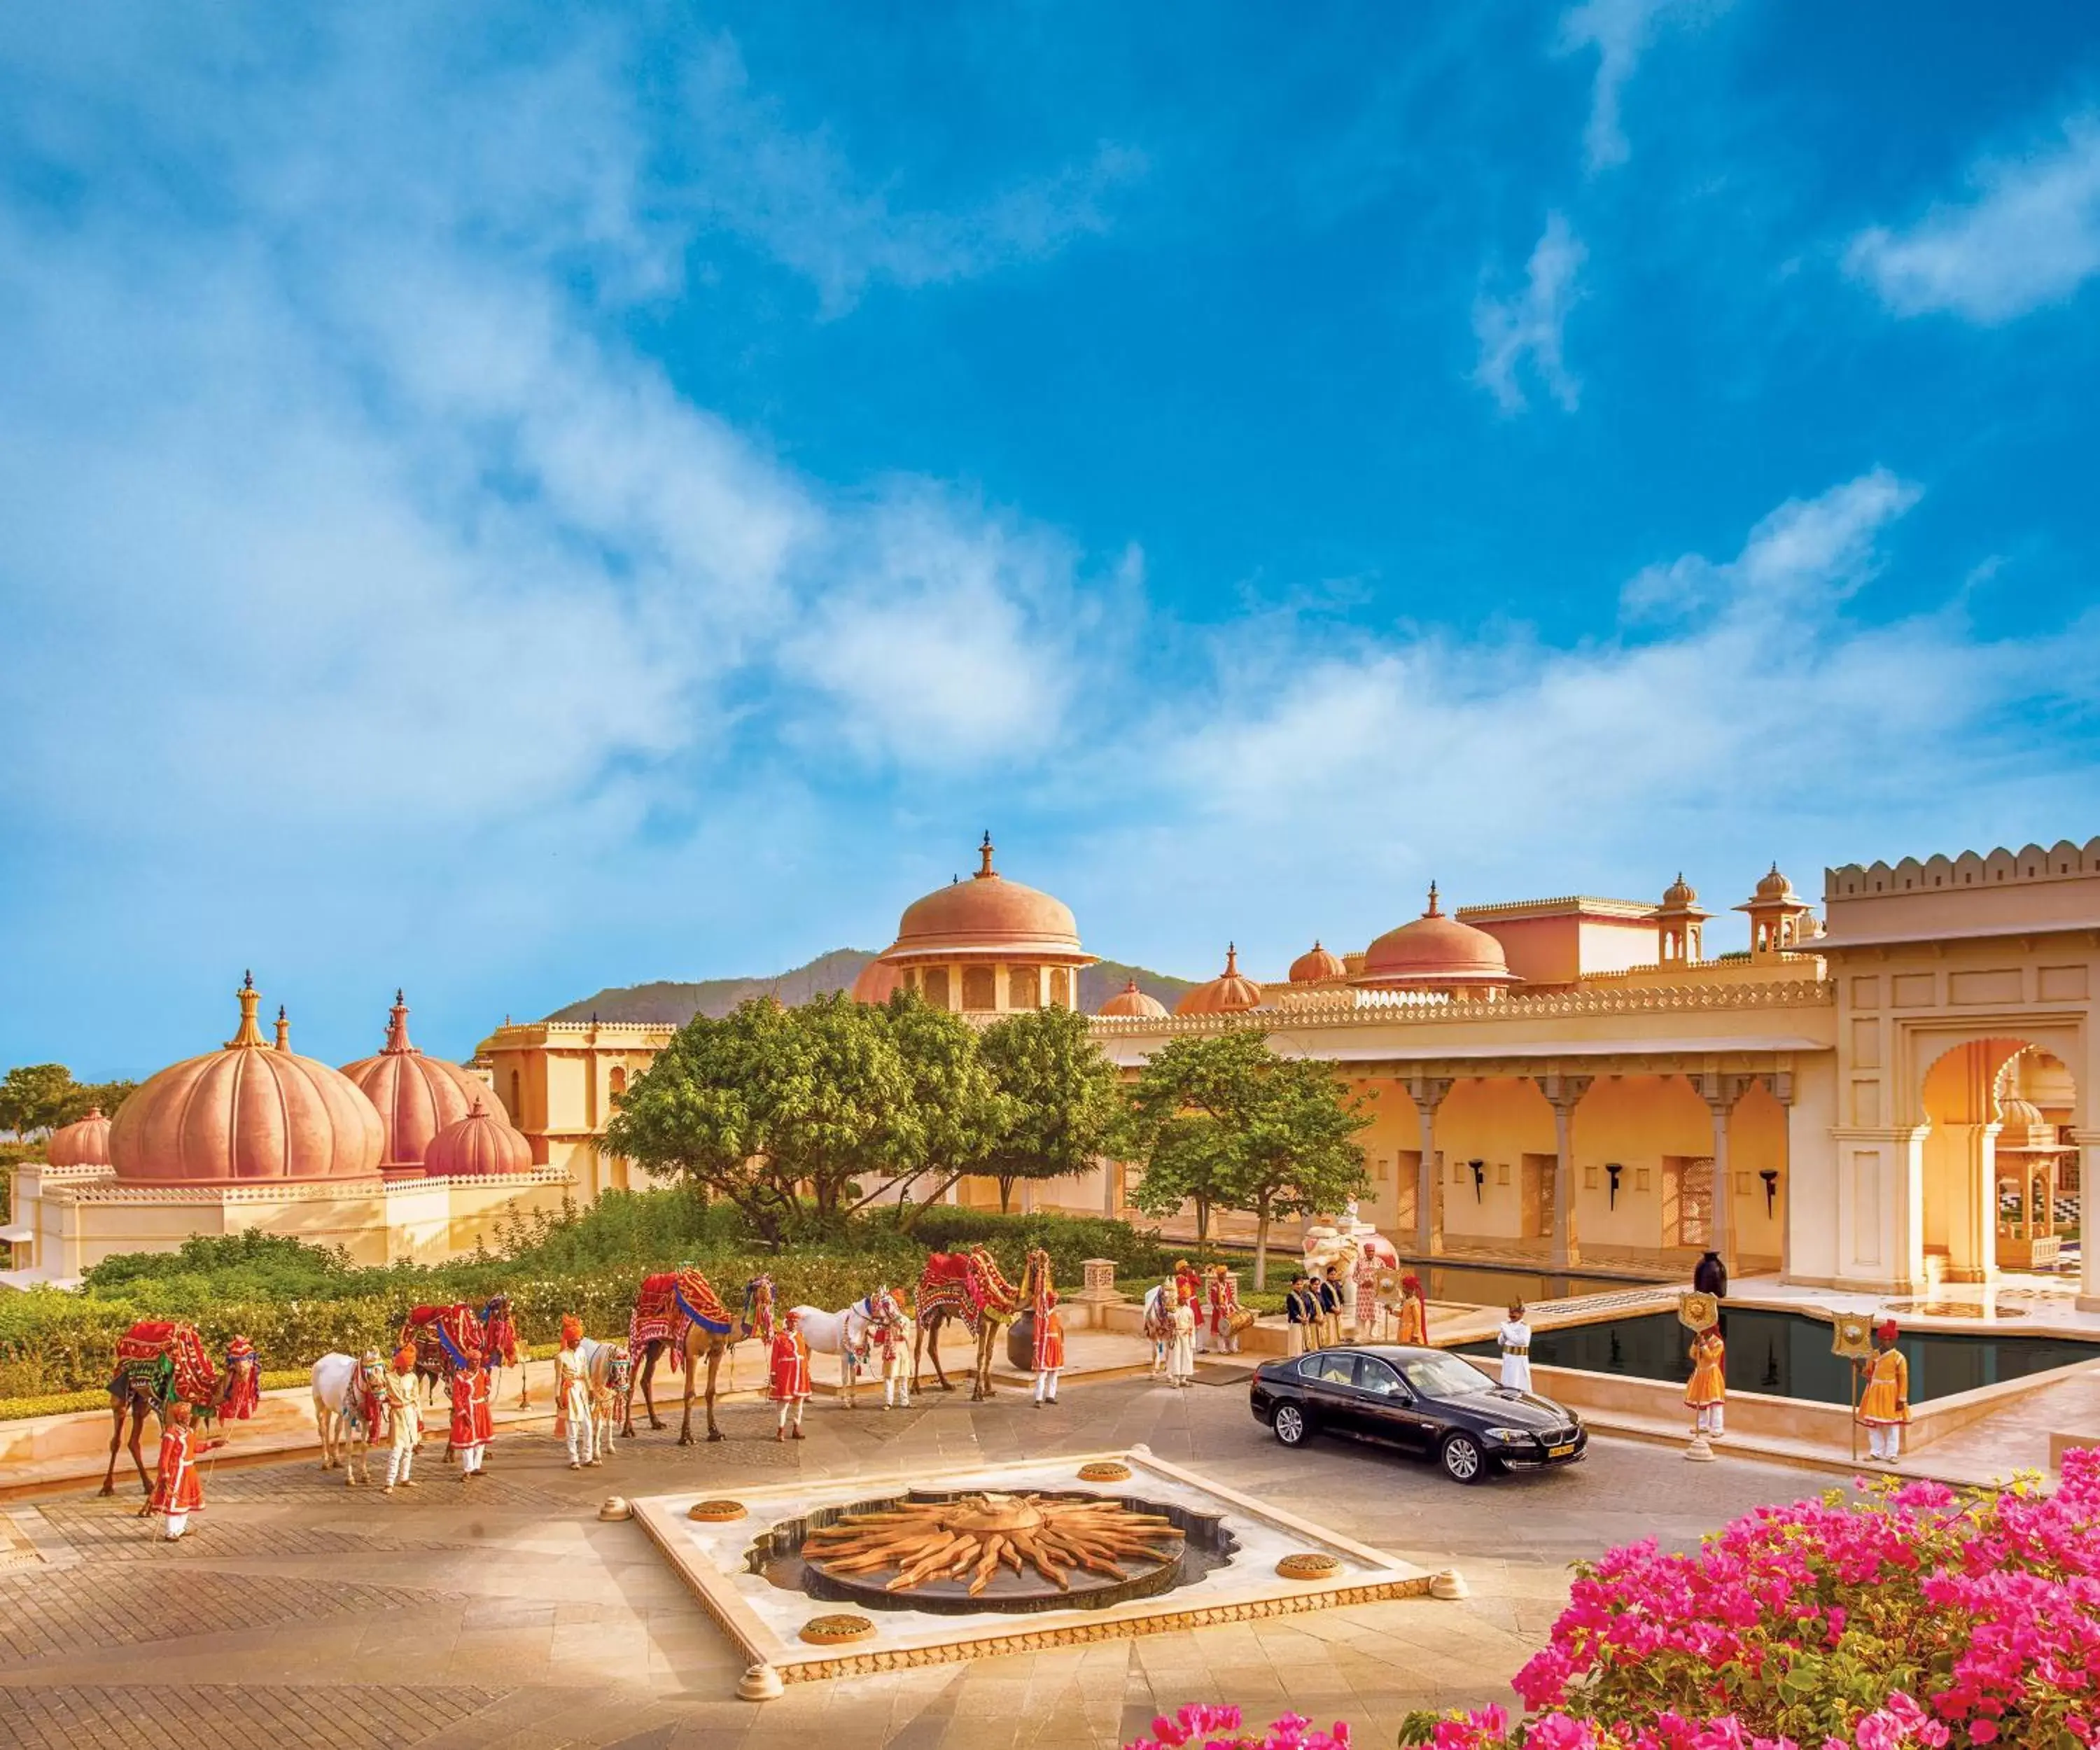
{"points": [[1514, 1339]]}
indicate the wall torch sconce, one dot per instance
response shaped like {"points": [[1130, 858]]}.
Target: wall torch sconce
{"points": [[1770, 1175], [1613, 1169], [1480, 1176]]}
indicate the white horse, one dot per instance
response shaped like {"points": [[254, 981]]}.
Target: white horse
{"points": [[607, 1368], [348, 1412], [1159, 1325], [849, 1334]]}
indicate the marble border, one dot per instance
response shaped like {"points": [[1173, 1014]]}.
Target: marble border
{"points": [[1372, 1576]]}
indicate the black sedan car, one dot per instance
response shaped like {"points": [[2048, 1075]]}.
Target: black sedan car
{"points": [[1420, 1401]]}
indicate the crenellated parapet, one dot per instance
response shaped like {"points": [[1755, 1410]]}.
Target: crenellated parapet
{"points": [[2060, 861]]}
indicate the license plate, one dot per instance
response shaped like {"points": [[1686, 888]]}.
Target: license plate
{"points": [[1560, 1451]]}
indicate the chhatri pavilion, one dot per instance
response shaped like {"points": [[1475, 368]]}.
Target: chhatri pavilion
{"points": [[1884, 1098], [395, 1158]]}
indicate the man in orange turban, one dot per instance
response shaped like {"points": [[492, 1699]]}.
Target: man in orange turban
{"points": [[790, 1358], [404, 1416], [473, 1421], [572, 1401]]}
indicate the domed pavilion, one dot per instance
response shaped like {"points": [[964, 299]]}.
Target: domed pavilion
{"points": [[83, 1143], [417, 1096], [1131, 1004], [987, 946], [1436, 953], [1230, 992], [1318, 965], [478, 1146], [250, 1112]]}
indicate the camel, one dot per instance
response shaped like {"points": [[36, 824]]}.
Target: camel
{"points": [[846, 1333], [157, 1361], [348, 1412], [680, 1312], [964, 1285]]}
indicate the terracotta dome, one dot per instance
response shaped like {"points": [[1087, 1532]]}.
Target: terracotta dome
{"points": [[1227, 993], [83, 1143], [247, 1114], [988, 913], [1316, 966], [417, 1096], [1130, 1001], [1774, 885], [1679, 894], [481, 1143], [878, 982], [1436, 952]]}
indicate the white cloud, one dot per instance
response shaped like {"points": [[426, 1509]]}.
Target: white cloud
{"points": [[1805, 554], [1765, 724], [795, 194], [1621, 32], [1529, 323], [2030, 236]]}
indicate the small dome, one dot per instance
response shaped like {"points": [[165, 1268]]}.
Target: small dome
{"points": [[1227, 993], [83, 1143], [480, 1144], [1316, 966], [417, 1096], [246, 1114], [2016, 1112], [1679, 894], [1774, 885], [988, 913], [878, 982], [1436, 952], [1130, 1001]]}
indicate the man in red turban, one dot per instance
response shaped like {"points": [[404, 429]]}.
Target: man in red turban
{"points": [[178, 1489], [791, 1372]]}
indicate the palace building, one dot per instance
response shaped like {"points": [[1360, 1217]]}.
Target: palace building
{"points": [[1886, 1098]]}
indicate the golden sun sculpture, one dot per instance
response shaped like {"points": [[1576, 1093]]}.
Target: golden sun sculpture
{"points": [[944, 1540]]}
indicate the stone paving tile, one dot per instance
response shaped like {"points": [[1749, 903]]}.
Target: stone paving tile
{"points": [[239, 1717], [573, 1634]]}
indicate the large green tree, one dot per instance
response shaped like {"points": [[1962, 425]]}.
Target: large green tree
{"points": [[1281, 1140], [1188, 1159], [1060, 1107], [780, 1110], [35, 1099], [954, 1115]]}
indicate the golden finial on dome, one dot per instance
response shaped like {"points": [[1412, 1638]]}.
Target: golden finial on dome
{"points": [[249, 1033], [283, 1029], [985, 870]]}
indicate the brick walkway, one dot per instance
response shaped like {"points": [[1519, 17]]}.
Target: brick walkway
{"points": [[505, 1613]]}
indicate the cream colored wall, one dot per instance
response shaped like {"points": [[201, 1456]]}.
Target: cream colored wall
{"points": [[1818, 1221], [1498, 1120], [1392, 1148], [1636, 1121]]}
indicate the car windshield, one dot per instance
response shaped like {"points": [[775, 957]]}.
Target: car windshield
{"points": [[1443, 1376]]}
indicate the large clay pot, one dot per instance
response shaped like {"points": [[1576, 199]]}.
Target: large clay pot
{"points": [[1021, 1343]]}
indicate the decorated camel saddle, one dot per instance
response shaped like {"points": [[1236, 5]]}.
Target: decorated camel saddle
{"points": [[964, 1285], [161, 1359], [449, 1332], [667, 1304]]}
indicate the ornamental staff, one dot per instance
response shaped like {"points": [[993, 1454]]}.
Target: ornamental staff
{"points": [[1707, 1394]]}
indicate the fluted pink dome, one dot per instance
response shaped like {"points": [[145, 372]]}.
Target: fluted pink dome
{"points": [[248, 1114], [1134, 1003], [480, 1144], [878, 982], [83, 1143], [417, 1096]]}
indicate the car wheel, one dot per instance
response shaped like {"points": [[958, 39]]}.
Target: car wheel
{"points": [[1289, 1425], [1462, 1460]]}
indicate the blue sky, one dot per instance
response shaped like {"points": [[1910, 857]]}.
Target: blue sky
{"points": [[505, 502]]}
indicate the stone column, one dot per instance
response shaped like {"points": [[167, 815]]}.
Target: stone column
{"points": [[1565, 1093], [1428, 1093], [2089, 1205], [1721, 1092]]}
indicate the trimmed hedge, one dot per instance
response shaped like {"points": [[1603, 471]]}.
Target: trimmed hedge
{"points": [[297, 1302]]}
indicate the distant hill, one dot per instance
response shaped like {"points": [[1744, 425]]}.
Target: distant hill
{"points": [[677, 1004]]}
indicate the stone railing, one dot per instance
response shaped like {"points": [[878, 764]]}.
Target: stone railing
{"points": [[296, 1191], [1346, 1008]]}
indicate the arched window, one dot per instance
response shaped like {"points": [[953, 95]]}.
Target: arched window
{"points": [[1023, 988], [936, 986], [980, 989], [1061, 988], [617, 1082]]}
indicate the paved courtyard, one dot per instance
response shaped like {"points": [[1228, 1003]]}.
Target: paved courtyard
{"points": [[505, 1613]]}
